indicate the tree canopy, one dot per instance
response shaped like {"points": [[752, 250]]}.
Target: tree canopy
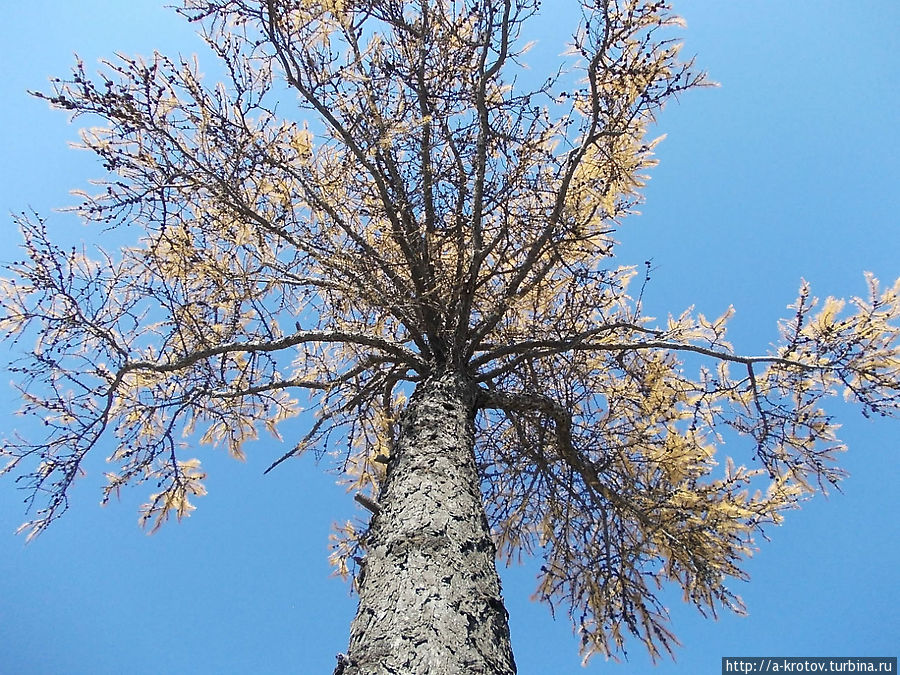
{"points": [[426, 207]]}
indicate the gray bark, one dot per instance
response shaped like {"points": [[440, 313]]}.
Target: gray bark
{"points": [[429, 594]]}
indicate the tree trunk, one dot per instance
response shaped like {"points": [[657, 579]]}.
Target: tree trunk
{"points": [[429, 594]]}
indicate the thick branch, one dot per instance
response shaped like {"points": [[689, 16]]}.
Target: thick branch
{"points": [[532, 349], [403, 355]]}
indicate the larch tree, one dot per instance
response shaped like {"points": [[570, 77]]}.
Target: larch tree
{"points": [[379, 216]]}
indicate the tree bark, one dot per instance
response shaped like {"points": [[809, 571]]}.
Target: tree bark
{"points": [[429, 594]]}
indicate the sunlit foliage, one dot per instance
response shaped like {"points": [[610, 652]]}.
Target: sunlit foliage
{"points": [[418, 202]]}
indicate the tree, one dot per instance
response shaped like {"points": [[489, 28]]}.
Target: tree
{"points": [[443, 230]]}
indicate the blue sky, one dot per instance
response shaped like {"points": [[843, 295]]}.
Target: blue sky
{"points": [[788, 170]]}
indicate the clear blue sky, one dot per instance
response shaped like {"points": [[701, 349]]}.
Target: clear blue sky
{"points": [[789, 170]]}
